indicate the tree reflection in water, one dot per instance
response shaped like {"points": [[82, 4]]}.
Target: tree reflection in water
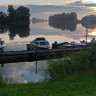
{"points": [[89, 25], [65, 26], [3, 28], [18, 28]]}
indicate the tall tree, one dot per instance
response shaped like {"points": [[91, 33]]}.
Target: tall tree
{"points": [[22, 13], [3, 18], [11, 15], [19, 14]]}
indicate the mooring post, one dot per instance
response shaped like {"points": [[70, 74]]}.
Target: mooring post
{"points": [[2, 65], [36, 57], [86, 36]]}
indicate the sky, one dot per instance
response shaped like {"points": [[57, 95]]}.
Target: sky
{"points": [[79, 6], [42, 2]]}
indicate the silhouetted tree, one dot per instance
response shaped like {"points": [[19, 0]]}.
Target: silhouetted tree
{"points": [[16, 22], [64, 21], [72, 17], [3, 18], [22, 13], [19, 14], [11, 15], [63, 18], [89, 21]]}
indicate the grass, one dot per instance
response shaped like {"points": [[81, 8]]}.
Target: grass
{"points": [[73, 64], [73, 75], [3, 79], [81, 86]]}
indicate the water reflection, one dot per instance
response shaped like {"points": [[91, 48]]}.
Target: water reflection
{"points": [[89, 25], [92, 33], [20, 31], [3, 28], [65, 26], [15, 29], [25, 71], [38, 20]]}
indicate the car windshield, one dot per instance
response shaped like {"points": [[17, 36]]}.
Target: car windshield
{"points": [[44, 43]]}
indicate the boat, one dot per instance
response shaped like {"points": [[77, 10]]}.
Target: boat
{"points": [[75, 44], [93, 41], [40, 43], [87, 44], [2, 45], [63, 45]]}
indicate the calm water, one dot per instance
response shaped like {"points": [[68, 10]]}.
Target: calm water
{"points": [[17, 40]]}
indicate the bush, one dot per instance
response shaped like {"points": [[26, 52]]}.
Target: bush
{"points": [[73, 64]]}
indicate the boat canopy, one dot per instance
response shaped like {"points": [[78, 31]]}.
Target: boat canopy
{"points": [[40, 38]]}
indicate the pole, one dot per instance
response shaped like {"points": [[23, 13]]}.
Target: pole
{"points": [[36, 57], [36, 66], [2, 65], [86, 35]]}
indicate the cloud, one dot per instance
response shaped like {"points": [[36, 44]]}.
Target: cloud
{"points": [[81, 3], [82, 0], [46, 4]]}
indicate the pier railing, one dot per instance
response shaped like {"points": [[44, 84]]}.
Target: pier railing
{"points": [[30, 56]]}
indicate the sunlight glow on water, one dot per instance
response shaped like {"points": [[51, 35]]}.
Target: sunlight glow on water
{"points": [[92, 33], [89, 1], [94, 8]]}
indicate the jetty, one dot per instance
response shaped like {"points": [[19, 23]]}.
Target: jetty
{"points": [[30, 56]]}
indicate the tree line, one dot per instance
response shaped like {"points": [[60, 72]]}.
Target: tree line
{"points": [[69, 21], [16, 21], [63, 18], [14, 15], [64, 21]]}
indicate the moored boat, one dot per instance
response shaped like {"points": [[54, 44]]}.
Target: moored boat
{"points": [[75, 44], [40, 43], [63, 45]]}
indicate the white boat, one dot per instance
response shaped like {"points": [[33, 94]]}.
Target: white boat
{"points": [[41, 43], [2, 45], [67, 45]]}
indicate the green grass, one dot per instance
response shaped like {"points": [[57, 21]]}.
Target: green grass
{"points": [[73, 64], [81, 86], [73, 75]]}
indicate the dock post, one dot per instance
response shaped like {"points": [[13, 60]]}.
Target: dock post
{"points": [[86, 36], [2, 65], [36, 57]]}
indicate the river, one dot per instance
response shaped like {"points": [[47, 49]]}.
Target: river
{"points": [[17, 40]]}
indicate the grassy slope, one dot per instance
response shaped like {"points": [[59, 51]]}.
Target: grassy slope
{"points": [[84, 86]]}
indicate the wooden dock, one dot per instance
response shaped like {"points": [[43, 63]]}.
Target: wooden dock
{"points": [[29, 56]]}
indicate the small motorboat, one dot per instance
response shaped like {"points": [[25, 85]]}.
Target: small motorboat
{"points": [[2, 45], [87, 44], [78, 44], [40, 43], [66, 45], [63, 45]]}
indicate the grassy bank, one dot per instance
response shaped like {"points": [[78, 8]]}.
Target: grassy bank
{"points": [[73, 64], [73, 75], [81, 86]]}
